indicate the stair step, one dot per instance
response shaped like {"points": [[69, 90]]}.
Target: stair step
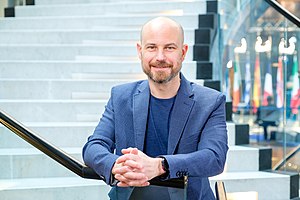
{"points": [[111, 7], [240, 158], [268, 185], [90, 95], [66, 188], [16, 161], [31, 163], [62, 69], [75, 134], [54, 88], [61, 2], [68, 51], [54, 110], [65, 51], [43, 69], [75, 36], [61, 88], [239, 133], [116, 76], [90, 22], [248, 158]]}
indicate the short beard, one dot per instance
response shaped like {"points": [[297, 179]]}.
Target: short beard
{"points": [[161, 78]]}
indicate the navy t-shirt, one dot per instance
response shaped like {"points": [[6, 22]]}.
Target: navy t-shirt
{"points": [[156, 140], [156, 143]]}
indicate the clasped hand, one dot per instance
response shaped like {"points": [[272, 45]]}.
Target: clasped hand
{"points": [[134, 168]]}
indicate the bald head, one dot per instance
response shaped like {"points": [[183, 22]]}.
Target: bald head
{"points": [[160, 24]]}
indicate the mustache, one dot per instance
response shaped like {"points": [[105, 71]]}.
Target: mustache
{"points": [[161, 64]]}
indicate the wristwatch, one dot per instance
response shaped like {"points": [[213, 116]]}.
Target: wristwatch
{"points": [[165, 166]]}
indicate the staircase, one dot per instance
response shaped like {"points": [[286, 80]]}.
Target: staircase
{"points": [[58, 62]]}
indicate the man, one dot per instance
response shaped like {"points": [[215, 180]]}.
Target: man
{"points": [[268, 115], [162, 127]]}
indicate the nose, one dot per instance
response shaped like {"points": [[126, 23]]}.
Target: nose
{"points": [[160, 55]]}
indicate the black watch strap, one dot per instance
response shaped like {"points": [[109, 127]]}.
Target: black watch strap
{"points": [[165, 166]]}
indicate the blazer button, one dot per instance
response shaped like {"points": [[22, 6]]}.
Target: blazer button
{"points": [[186, 173]]}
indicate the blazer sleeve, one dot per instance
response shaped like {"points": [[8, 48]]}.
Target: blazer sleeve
{"points": [[98, 151], [209, 159]]}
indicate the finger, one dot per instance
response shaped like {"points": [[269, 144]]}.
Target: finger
{"points": [[122, 184], [134, 151], [145, 184], [138, 183], [131, 177], [122, 170], [133, 164], [126, 151], [130, 182], [122, 159], [125, 157], [134, 176]]}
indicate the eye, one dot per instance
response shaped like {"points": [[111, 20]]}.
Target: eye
{"points": [[170, 48], [150, 47]]}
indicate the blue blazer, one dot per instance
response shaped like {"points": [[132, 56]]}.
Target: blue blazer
{"points": [[197, 144]]}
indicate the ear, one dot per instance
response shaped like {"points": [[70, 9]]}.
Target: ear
{"points": [[139, 49], [184, 51]]}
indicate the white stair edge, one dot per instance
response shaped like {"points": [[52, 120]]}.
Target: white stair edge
{"points": [[35, 151], [29, 183]]}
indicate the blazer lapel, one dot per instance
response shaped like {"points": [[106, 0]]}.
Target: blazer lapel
{"points": [[140, 113], [181, 111]]}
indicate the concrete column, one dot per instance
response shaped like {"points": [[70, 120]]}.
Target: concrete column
{"points": [[3, 4]]}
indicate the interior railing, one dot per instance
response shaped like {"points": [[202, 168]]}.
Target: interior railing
{"points": [[295, 20], [65, 159], [284, 163]]}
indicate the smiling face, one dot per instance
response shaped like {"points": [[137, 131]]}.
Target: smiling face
{"points": [[161, 50]]}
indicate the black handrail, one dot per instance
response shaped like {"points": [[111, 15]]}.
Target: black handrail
{"points": [[284, 12], [286, 158], [65, 159]]}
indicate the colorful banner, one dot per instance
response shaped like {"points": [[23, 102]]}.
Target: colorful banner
{"points": [[279, 85], [256, 85], [295, 97], [247, 83], [268, 86], [236, 84]]}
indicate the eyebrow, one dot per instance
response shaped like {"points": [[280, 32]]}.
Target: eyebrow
{"points": [[168, 44]]}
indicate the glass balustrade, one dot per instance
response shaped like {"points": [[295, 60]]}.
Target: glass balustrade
{"points": [[259, 53]]}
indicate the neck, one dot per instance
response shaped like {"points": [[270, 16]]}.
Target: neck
{"points": [[165, 90]]}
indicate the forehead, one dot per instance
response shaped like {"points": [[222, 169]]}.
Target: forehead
{"points": [[161, 31]]}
